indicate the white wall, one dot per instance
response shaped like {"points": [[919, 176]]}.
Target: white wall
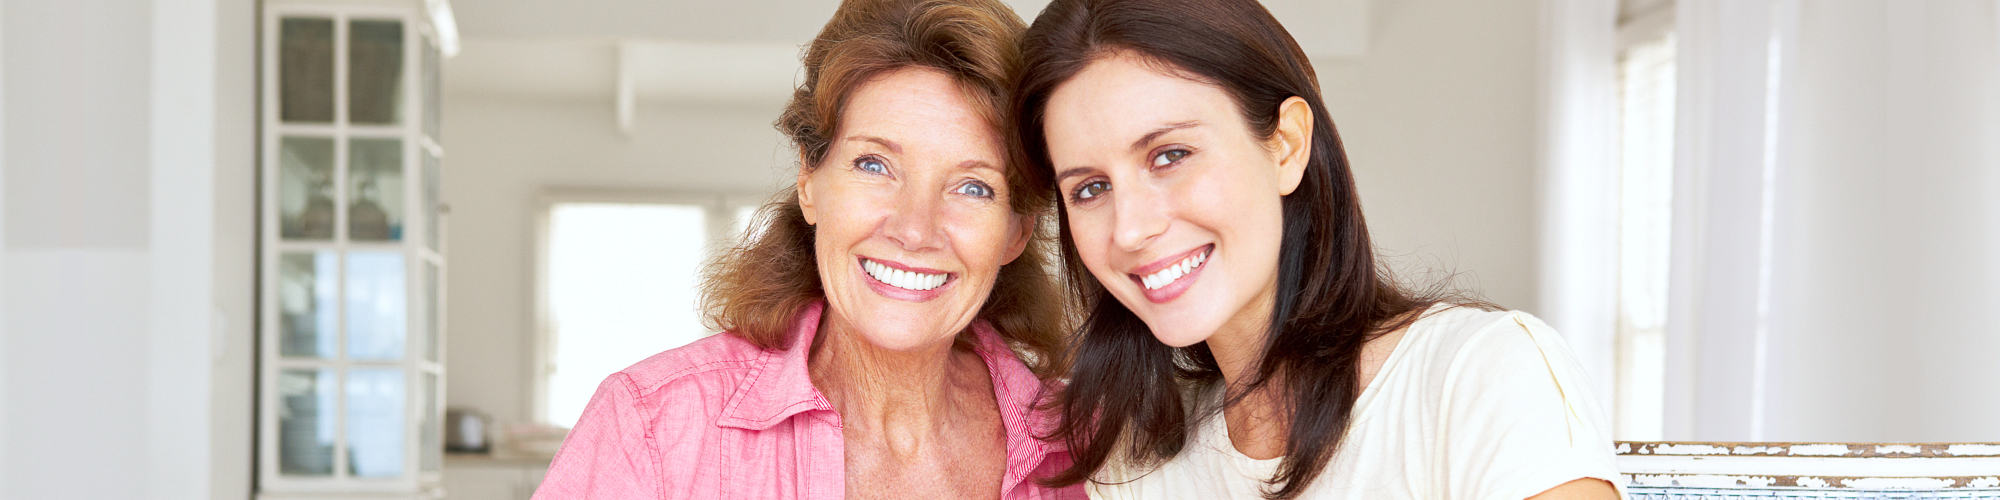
{"points": [[127, 292], [1439, 121], [502, 152]]}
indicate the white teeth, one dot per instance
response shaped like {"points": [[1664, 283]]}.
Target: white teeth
{"points": [[1174, 272], [902, 279]]}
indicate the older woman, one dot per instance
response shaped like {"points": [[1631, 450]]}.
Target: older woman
{"points": [[878, 320]]}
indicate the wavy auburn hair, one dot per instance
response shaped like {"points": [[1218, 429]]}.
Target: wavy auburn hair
{"points": [[757, 289], [1124, 399]]}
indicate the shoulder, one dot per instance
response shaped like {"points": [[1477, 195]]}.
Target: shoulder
{"points": [[1458, 337], [1460, 353], [718, 360]]}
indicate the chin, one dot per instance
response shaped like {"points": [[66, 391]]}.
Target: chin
{"points": [[899, 336], [1178, 339], [1178, 332]]}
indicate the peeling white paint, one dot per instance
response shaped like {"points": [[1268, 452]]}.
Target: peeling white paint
{"points": [[1961, 450], [1818, 450], [1897, 483], [1689, 449], [1984, 482], [1813, 482], [1754, 450], [1886, 449]]}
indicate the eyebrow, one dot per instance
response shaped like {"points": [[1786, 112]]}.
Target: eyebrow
{"points": [[1136, 145], [1156, 133], [893, 147], [972, 164]]}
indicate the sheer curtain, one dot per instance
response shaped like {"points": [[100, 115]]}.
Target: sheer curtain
{"points": [[1836, 248]]}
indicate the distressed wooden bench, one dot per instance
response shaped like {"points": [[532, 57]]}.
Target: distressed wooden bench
{"points": [[1730, 471]]}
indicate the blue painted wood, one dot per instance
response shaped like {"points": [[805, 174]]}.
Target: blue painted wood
{"points": [[1745, 493]]}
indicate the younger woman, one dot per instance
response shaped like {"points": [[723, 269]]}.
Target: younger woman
{"points": [[1240, 340]]}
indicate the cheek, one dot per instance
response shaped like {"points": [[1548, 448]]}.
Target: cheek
{"points": [[980, 236], [1090, 233]]}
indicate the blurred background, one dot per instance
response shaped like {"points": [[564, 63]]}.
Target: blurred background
{"points": [[302, 248]]}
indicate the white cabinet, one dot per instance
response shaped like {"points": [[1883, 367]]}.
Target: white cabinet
{"points": [[351, 270]]}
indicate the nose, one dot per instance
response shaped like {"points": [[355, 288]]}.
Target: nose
{"points": [[914, 221], [1140, 212]]}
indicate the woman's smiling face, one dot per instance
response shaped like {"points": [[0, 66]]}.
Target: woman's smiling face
{"points": [[910, 215], [1173, 202]]}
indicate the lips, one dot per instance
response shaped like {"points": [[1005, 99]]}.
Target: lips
{"points": [[1167, 278], [902, 278]]}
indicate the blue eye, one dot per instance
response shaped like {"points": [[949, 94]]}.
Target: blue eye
{"points": [[871, 164], [975, 188]]}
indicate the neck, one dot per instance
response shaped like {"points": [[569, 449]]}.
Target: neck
{"points": [[906, 397], [1255, 425], [1239, 344]]}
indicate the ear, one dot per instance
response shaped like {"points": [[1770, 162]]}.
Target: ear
{"points": [[805, 192], [1293, 142], [1023, 229]]}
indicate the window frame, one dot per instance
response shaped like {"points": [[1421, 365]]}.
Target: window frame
{"points": [[1638, 31]]}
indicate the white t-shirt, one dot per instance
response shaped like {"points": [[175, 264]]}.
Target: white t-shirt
{"points": [[1471, 404]]}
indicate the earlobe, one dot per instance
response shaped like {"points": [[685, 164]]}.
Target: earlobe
{"points": [[1024, 226], [804, 188], [1294, 136]]}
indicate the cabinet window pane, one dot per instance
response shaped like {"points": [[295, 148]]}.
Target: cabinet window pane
{"points": [[433, 200], [432, 89], [432, 316], [621, 288], [375, 422], [305, 188], [376, 175], [432, 440], [377, 306], [305, 422], [307, 286], [375, 72], [305, 69]]}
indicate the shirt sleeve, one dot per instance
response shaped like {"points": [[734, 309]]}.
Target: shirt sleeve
{"points": [[1520, 417], [608, 454]]}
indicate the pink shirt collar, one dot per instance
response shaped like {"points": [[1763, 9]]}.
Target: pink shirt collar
{"points": [[780, 387]]}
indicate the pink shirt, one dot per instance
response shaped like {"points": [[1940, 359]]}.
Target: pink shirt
{"points": [[722, 418]]}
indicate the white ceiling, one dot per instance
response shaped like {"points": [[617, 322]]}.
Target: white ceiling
{"points": [[783, 21], [723, 51]]}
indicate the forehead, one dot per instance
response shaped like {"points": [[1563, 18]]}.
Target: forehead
{"points": [[918, 107], [1126, 95]]}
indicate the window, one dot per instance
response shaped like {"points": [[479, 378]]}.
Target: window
{"points": [[619, 283], [1646, 79]]}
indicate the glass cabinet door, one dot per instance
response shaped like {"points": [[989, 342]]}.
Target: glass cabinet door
{"points": [[352, 370]]}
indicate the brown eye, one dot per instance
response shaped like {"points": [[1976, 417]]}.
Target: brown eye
{"points": [[1091, 189], [1168, 157]]}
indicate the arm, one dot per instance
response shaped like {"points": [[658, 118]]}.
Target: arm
{"points": [[1581, 489], [608, 454], [1522, 422]]}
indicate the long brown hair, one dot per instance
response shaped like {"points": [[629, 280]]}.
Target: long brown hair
{"points": [[757, 289], [1124, 385]]}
